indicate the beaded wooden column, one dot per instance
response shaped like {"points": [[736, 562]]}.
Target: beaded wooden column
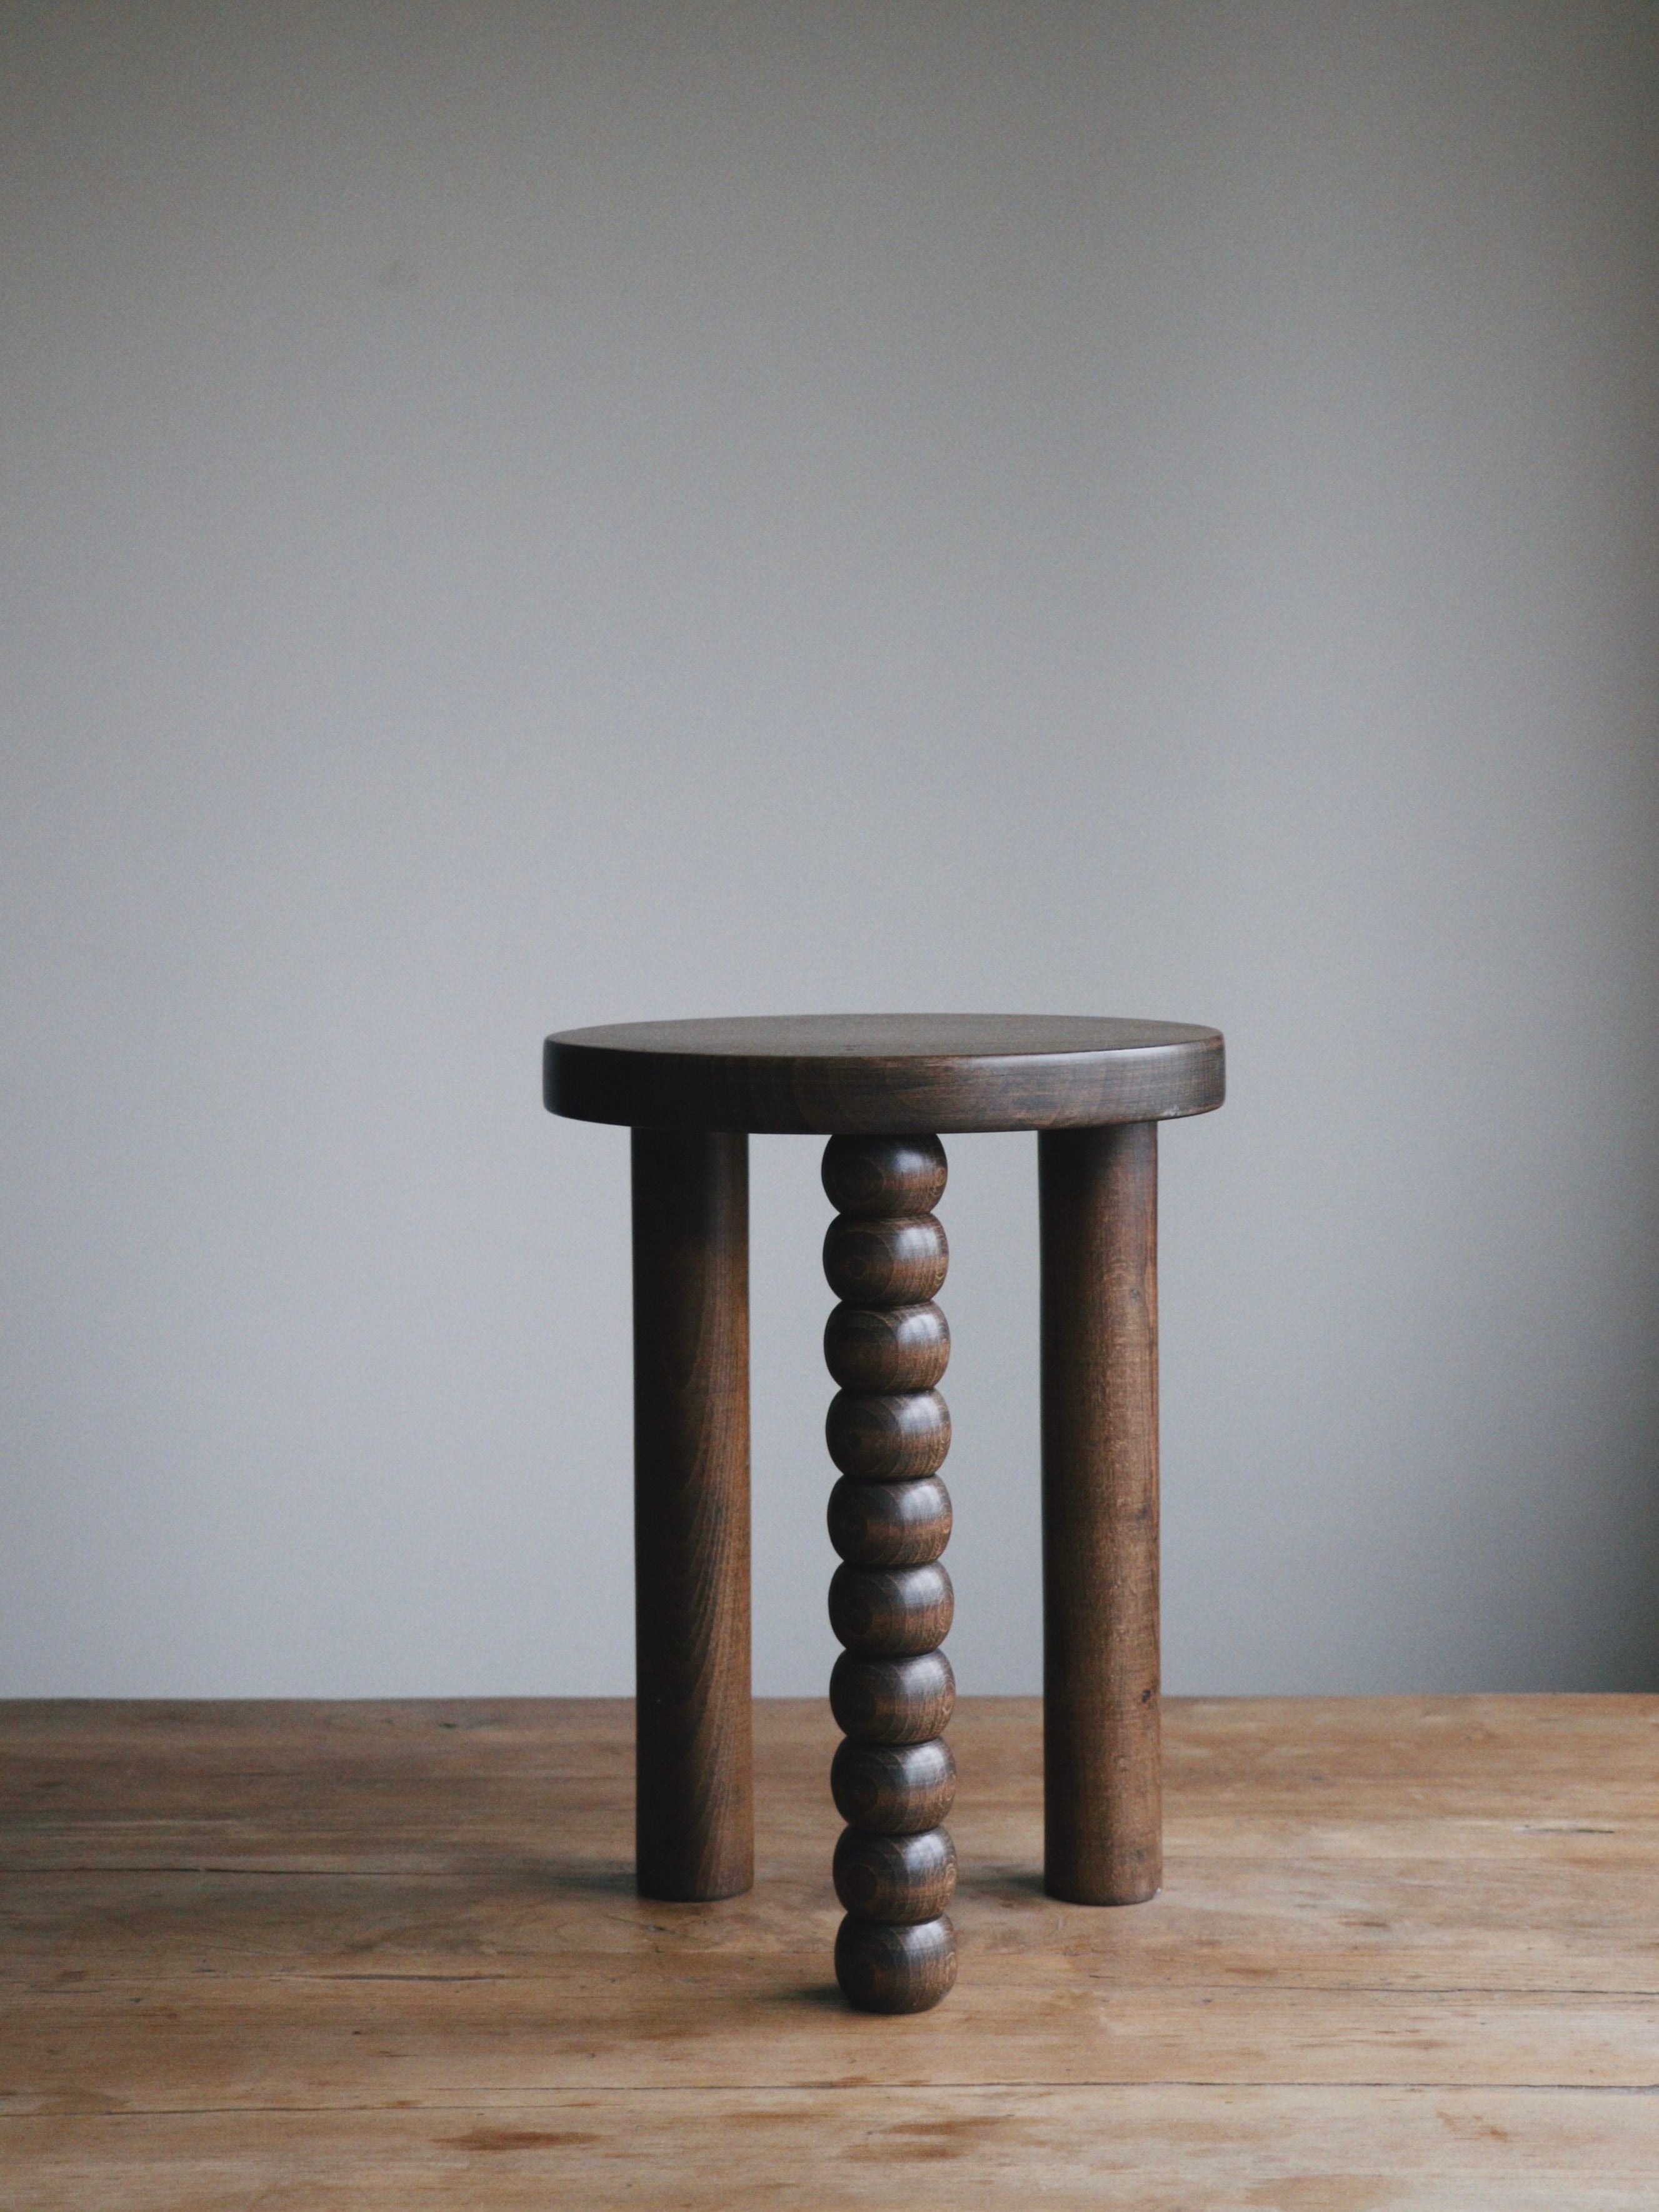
{"points": [[891, 1601]]}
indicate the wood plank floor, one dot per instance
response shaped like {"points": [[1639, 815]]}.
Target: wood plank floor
{"points": [[378, 1955]]}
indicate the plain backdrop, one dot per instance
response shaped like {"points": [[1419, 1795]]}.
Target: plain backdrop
{"points": [[520, 516]]}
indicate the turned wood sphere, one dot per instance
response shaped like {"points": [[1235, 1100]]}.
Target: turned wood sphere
{"points": [[892, 1700], [889, 1524], [887, 1347], [885, 1263], [906, 1968], [892, 1612], [883, 1175], [894, 1788], [888, 1438], [898, 1878]]}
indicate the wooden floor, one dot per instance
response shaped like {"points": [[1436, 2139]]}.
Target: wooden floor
{"points": [[389, 1955]]}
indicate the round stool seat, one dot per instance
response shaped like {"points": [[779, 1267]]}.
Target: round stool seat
{"points": [[849, 1074]]}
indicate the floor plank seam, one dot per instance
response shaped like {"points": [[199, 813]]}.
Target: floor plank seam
{"points": [[495, 2100], [1283, 1990]]}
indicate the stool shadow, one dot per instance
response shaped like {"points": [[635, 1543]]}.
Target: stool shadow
{"points": [[1014, 1881], [602, 1878], [813, 1996]]}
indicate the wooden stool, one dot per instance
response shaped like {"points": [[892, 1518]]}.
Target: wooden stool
{"points": [[881, 1086]]}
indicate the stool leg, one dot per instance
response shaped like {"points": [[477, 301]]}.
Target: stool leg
{"points": [[1101, 1792], [695, 1807], [891, 1602]]}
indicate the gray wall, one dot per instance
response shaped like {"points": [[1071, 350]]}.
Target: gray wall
{"points": [[518, 516]]}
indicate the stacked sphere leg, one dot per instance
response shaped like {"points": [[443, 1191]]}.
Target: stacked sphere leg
{"points": [[886, 1344]]}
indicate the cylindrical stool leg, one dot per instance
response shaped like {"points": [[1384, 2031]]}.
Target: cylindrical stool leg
{"points": [[1101, 1791], [891, 1602], [695, 1809]]}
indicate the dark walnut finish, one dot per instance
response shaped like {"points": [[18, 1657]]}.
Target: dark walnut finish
{"points": [[892, 1700], [1094, 1088], [891, 1601], [1098, 1207], [890, 1524], [695, 1799], [886, 1788], [903, 1349], [873, 1073]]}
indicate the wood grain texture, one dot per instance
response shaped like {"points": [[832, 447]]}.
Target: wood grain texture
{"points": [[900, 1175], [1160, 2148], [896, 1966], [891, 1612], [694, 1802], [883, 1876], [1098, 1209], [389, 1955], [889, 1524], [888, 1431], [874, 1073], [893, 1437], [894, 1788], [902, 1348], [885, 1263]]}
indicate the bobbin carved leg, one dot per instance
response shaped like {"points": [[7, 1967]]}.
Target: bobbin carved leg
{"points": [[891, 1601], [695, 1807], [1098, 1201]]}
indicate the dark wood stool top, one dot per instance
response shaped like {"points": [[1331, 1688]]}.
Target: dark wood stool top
{"points": [[882, 1074]]}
